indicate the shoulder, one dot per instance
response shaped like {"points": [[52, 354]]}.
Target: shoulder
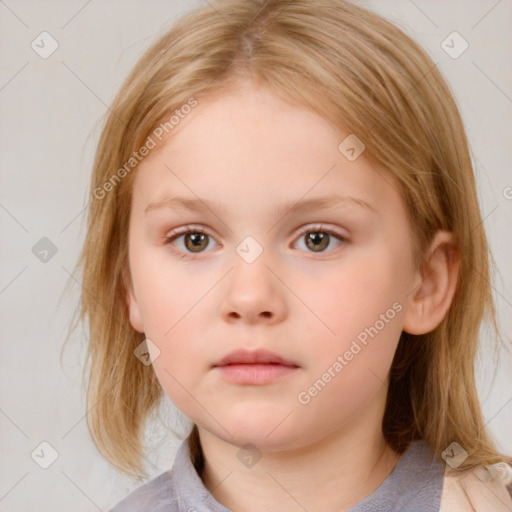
{"points": [[154, 496], [480, 489]]}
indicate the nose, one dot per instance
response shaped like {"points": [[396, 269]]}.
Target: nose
{"points": [[254, 294]]}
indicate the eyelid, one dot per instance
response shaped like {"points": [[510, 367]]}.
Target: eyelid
{"points": [[304, 229], [321, 227], [190, 228]]}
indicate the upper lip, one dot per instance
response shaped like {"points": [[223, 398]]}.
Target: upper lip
{"points": [[258, 356]]}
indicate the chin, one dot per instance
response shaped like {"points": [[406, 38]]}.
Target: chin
{"points": [[260, 430]]}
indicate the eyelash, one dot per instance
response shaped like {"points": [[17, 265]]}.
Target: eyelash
{"points": [[193, 229]]}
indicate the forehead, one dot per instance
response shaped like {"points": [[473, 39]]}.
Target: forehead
{"points": [[248, 146]]}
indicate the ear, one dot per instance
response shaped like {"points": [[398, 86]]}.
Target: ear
{"points": [[132, 304], [432, 296]]}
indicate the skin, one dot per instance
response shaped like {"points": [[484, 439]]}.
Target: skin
{"points": [[250, 151]]}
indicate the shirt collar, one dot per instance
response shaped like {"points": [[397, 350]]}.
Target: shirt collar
{"points": [[416, 481], [189, 488]]}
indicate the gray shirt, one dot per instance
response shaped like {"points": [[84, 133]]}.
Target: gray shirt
{"points": [[415, 484]]}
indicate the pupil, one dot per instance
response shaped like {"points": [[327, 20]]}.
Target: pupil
{"points": [[318, 239], [196, 239]]}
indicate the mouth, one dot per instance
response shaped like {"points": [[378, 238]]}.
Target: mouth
{"points": [[256, 367]]}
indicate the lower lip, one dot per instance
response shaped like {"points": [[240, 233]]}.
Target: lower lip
{"points": [[257, 374]]}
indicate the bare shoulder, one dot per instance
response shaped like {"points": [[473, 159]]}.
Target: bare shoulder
{"points": [[480, 489]]}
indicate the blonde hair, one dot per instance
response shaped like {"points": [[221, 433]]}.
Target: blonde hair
{"points": [[361, 72]]}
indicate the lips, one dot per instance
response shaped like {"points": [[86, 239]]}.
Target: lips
{"points": [[254, 367], [259, 356]]}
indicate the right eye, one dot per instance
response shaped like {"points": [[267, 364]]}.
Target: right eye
{"points": [[195, 240]]}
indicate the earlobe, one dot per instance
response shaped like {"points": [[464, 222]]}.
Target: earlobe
{"points": [[432, 297], [133, 306]]}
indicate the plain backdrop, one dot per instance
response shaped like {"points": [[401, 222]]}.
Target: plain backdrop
{"points": [[50, 122]]}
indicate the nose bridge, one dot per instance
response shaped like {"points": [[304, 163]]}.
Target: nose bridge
{"points": [[253, 290]]}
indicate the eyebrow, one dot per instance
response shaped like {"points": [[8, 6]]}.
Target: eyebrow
{"points": [[306, 205]]}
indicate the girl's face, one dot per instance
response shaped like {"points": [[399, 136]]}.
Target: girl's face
{"points": [[324, 285]]}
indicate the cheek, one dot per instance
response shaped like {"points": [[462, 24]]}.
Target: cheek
{"points": [[364, 307], [363, 302], [165, 291], [174, 320], [357, 294], [173, 306]]}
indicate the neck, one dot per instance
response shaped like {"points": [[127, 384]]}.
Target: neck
{"points": [[331, 474]]}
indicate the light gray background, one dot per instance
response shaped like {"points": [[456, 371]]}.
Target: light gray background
{"points": [[49, 125]]}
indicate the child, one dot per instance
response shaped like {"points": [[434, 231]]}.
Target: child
{"points": [[284, 238]]}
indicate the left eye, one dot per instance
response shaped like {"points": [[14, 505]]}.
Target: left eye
{"points": [[318, 239], [195, 240]]}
